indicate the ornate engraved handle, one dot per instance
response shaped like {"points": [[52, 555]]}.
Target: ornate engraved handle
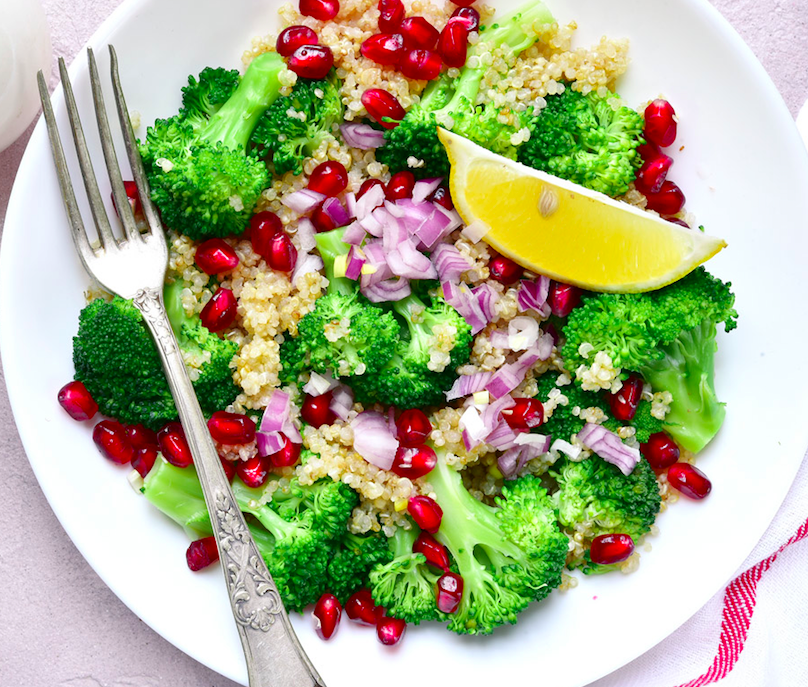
{"points": [[273, 652]]}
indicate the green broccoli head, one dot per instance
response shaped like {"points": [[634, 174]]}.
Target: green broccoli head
{"points": [[330, 501], [203, 96], [355, 557], [295, 126], [589, 139]]}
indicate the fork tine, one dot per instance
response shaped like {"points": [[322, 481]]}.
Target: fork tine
{"points": [[135, 161], [125, 213], [105, 235], [80, 239]]}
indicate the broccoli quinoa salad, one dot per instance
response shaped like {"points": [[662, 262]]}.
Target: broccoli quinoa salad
{"points": [[416, 427]]}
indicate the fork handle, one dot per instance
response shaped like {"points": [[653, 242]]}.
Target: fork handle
{"points": [[273, 652]]}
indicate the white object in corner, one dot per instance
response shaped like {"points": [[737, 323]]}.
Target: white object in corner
{"points": [[802, 123]]}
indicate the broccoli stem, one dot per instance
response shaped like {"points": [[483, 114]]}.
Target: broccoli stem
{"points": [[330, 246], [401, 542], [233, 124]]}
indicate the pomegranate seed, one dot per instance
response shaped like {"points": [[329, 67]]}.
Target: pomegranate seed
{"points": [[450, 592], [383, 106], [215, 256], [315, 410], [324, 10], [384, 48], [294, 37], [649, 151], [434, 552], [282, 253], [414, 462], [311, 61], [463, 3], [469, 16], [174, 445], [563, 298], [287, 456], [652, 174], [400, 186], [391, 14], [418, 33], [504, 270], [611, 548], [525, 413], [220, 311], [144, 459], [130, 187], [140, 436], [413, 427], [550, 329], [390, 630], [327, 612], [625, 401], [421, 65], [110, 438], [689, 480], [668, 200], [231, 428], [202, 553], [263, 226], [660, 451], [442, 197], [426, 513], [329, 178], [361, 608], [77, 401], [321, 219], [368, 184], [229, 468], [660, 123], [253, 471], [680, 222], [453, 43]]}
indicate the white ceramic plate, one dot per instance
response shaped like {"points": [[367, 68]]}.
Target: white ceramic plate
{"points": [[744, 170]]}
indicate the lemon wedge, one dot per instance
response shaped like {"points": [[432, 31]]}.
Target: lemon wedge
{"points": [[566, 231]]}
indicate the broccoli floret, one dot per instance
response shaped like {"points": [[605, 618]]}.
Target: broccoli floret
{"points": [[115, 357], [595, 497], [406, 586], [290, 139], [201, 177], [331, 502], [507, 555], [355, 557], [203, 97], [589, 139], [668, 338], [451, 103]]}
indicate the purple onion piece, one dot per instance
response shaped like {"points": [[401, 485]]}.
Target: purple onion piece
{"points": [[609, 446], [302, 201], [333, 208], [487, 297], [465, 385], [425, 188], [276, 413], [362, 136], [532, 295], [388, 290], [269, 442], [373, 439], [449, 262]]}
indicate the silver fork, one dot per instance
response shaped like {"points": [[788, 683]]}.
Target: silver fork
{"points": [[134, 267]]}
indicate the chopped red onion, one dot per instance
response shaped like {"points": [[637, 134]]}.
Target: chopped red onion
{"points": [[394, 209], [413, 213], [376, 258], [276, 413], [532, 295], [371, 199], [333, 208], [373, 439], [306, 263], [319, 384], [449, 262], [356, 259], [269, 442], [492, 413], [350, 203], [291, 431], [567, 448], [465, 385], [341, 401], [523, 332], [499, 339], [387, 290], [468, 442], [475, 231], [512, 462], [354, 234], [433, 229], [502, 438], [460, 297], [372, 223], [474, 425], [393, 233], [609, 446], [425, 188], [505, 380], [539, 441], [302, 201], [487, 297], [305, 235], [406, 261], [454, 218], [362, 136]]}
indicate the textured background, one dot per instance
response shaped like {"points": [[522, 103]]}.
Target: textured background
{"points": [[73, 631]]}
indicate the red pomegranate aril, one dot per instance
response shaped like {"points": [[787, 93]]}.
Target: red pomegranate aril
{"points": [[77, 401], [442, 197], [361, 608], [231, 428], [421, 65], [608, 549], [287, 456], [263, 226], [390, 630], [689, 480], [368, 184], [130, 188], [453, 44], [311, 61], [110, 438], [418, 33], [321, 220], [324, 10], [652, 174], [384, 48], [434, 552], [391, 14], [649, 151], [660, 123], [315, 410], [229, 468], [550, 329], [215, 256], [202, 553], [450, 592], [413, 427], [667, 201], [282, 253], [414, 462], [220, 311], [624, 402], [383, 105], [563, 298], [294, 37], [504, 270], [326, 614], [400, 186], [524, 414], [144, 459], [140, 436], [253, 471], [463, 3], [469, 16], [660, 451], [174, 445], [426, 513], [329, 178]]}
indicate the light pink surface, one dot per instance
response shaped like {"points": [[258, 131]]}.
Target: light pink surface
{"points": [[76, 633]]}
